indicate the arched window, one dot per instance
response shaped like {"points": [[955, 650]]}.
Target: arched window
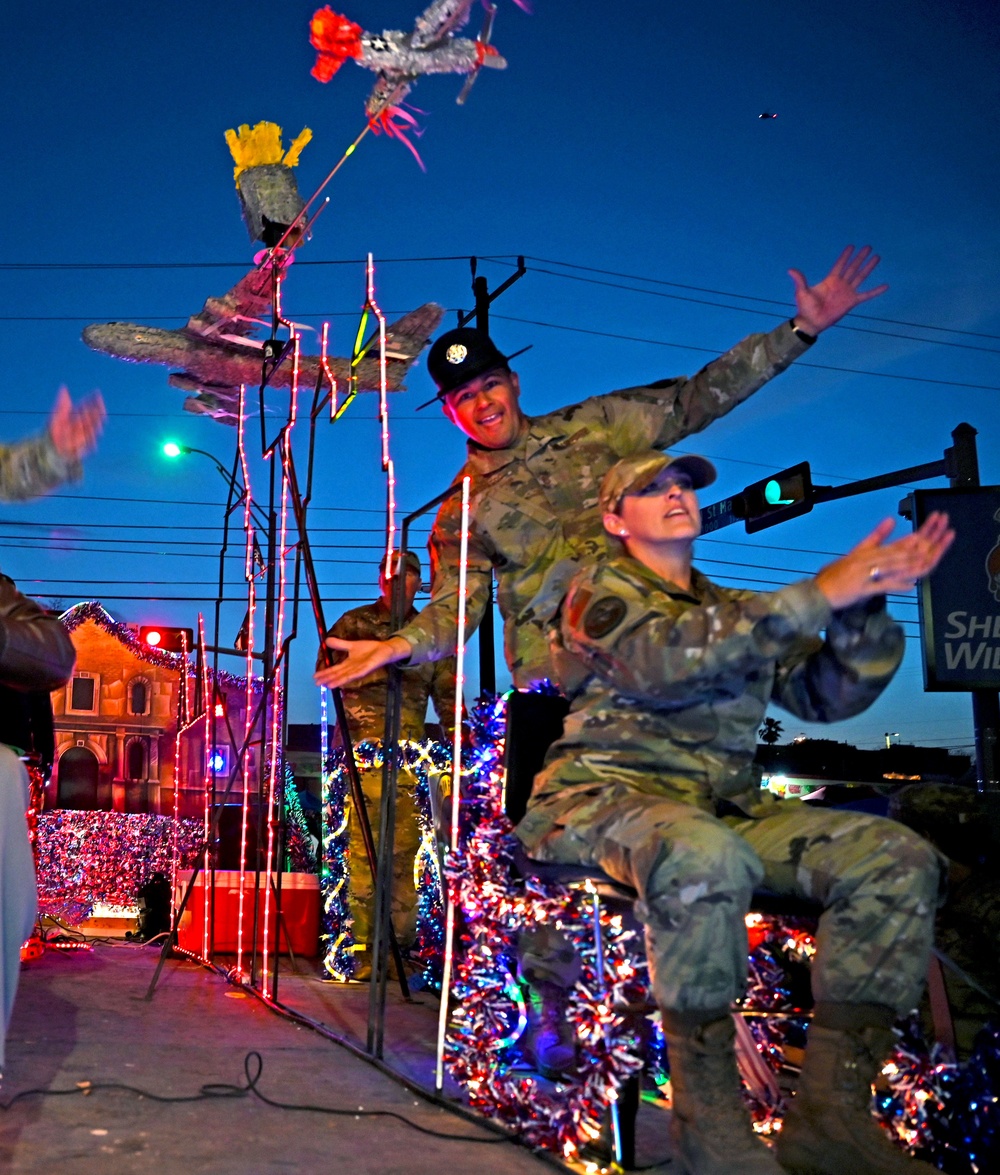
{"points": [[136, 759], [139, 695]]}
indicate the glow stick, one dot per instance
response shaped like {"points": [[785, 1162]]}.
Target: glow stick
{"points": [[456, 776]]}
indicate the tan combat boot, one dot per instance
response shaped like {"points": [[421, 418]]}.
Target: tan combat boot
{"points": [[710, 1126], [829, 1129]]}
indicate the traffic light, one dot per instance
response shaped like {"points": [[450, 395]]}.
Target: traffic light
{"points": [[776, 499], [169, 640]]}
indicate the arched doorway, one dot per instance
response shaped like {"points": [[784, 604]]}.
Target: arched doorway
{"points": [[78, 779]]}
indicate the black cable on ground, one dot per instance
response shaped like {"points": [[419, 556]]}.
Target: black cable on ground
{"points": [[253, 1067]]}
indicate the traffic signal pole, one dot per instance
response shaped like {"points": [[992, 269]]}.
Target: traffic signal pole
{"points": [[960, 464], [964, 472]]}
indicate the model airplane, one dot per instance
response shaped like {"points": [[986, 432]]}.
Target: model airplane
{"points": [[216, 351], [401, 58]]}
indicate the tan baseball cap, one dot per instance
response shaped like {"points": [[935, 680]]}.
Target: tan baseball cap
{"points": [[410, 559], [635, 473]]}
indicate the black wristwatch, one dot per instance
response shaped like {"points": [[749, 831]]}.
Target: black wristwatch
{"points": [[800, 334]]}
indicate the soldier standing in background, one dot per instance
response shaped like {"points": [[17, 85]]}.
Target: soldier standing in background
{"points": [[653, 780], [364, 705]]}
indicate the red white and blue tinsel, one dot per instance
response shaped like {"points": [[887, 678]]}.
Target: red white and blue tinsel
{"points": [[482, 1050], [945, 1113], [91, 858]]}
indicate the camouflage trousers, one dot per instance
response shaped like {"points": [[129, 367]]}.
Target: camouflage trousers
{"points": [[407, 842], [878, 882]]}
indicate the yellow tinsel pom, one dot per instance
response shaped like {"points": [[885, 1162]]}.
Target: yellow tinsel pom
{"points": [[262, 144], [291, 158]]}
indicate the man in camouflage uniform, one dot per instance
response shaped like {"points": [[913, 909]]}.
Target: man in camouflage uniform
{"points": [[533, 510], [35, 466], [364, 704], [669, 677]]}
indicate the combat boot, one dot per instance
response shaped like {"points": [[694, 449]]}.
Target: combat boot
{"points": [[829, 1129], [710, 1125]]}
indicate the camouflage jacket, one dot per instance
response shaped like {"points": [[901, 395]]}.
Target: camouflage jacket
{"points": [[533, 509], [364, 700], [668, 687], [33, 467]]}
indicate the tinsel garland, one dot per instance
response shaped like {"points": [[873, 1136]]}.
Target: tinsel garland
{"points": [[482, 1044], [126, 634], [944, 1113], [86, 858], [300, 855], [421, 760]]}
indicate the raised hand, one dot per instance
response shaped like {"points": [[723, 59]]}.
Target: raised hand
{"points": [[74, 431], [363, 657], [875, 567], [821, 305]]}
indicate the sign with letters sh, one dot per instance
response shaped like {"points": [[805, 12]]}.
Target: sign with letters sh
{"points": [[960, 600]]}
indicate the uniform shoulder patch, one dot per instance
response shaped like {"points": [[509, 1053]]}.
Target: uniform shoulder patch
{"points": [[603, 616], [578, 605]]}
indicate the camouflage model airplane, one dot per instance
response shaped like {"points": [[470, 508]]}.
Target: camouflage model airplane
{"points": [[216, 351], [401, 58]]}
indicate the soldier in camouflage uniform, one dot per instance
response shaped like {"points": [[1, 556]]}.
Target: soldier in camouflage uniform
{"points": [[534, 515], [669, 677], [364, 704], [37, 465]]}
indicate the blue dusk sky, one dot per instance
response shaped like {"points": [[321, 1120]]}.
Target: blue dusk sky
{"points": [[621, 153]]}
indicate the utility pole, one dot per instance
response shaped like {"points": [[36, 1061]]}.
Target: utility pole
{"points": [[487, 626]]}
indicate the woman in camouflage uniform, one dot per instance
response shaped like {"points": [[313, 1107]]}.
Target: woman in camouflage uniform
{"points": [[669, 677]]}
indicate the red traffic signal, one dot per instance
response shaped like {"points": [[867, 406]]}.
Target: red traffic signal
{"points": [[168, 640]]}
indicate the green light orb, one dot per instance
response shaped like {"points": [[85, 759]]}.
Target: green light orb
{"points": [[171, 449]]}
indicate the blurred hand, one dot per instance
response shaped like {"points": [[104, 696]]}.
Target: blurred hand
{"points": [[74, 431], [362, 658], [825, 303], [876, 567]]}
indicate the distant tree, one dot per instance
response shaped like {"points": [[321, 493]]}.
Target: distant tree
{"points": [[771, 731]]}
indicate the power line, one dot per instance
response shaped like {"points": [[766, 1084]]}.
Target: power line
{"points": [[45, 266], [500, 259], [947, 383], [745, 297], [758, 311]]}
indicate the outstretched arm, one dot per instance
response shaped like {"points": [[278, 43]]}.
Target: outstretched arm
{"points": [[34, 466], [820, 306], [661, 414], [363, 657], [74, 430]]}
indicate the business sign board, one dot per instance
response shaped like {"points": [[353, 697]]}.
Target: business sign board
{"points": [[960, 600]]}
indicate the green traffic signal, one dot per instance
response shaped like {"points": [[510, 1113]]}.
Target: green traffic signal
{"points": [[772, 494]]}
